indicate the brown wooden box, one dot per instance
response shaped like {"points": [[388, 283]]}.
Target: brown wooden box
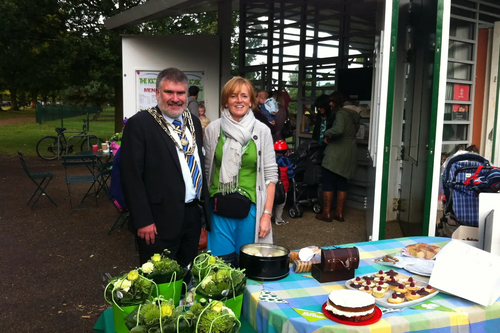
{"points": [[336, 264]]}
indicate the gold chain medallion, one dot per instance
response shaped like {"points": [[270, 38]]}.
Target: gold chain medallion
{"points": [[186, 116]]}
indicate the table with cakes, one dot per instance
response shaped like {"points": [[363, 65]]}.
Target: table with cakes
{"points": [[379, 286]]}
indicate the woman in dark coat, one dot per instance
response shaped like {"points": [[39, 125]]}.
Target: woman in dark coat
{"points": [[339, 161]]}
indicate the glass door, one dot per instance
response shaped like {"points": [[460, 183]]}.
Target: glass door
{"points": [[439, 90], [381, 120]]}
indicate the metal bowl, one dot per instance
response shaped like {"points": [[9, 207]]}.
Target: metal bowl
{"points": [[265, 261]]}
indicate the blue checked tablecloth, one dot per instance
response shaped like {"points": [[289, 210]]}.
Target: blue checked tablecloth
{"points": [[307, 294]]}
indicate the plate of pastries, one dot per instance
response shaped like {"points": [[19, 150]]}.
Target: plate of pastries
{"points": [[421, 251], [392, 289]]}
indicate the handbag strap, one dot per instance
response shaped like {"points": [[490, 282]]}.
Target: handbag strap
{"points": [[244, 193]]}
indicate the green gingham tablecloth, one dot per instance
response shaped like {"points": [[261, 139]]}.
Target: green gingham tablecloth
{"points": [[307, 294]]}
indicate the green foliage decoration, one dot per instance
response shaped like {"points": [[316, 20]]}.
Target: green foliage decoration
{"points": [[216, 279]]}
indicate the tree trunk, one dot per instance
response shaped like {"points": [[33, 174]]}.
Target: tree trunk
{"points": [[13, 100]]}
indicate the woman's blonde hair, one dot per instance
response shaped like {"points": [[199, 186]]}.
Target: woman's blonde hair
{"points": [[234, 86]]}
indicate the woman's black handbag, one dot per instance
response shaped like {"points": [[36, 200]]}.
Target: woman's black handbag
{"points": [[279, 193], [232, 205], [287, 129]]}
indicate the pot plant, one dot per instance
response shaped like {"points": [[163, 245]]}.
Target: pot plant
{"points": [[219, 281], [125, 293], [159, 316], [166, 273], [213, 317]]}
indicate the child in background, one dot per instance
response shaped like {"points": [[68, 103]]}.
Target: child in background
{"points": [[285, 173], [203, 118], [268, 106]]}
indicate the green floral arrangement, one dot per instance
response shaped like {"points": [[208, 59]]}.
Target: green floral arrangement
{"points": [[159, 316], [203, 263], [128, 290], [216, 279], [116, 137], [162, 269], [213, 317]]}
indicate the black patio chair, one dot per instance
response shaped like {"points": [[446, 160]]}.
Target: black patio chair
{"points": [[74, 176], [103, 177], [41, 180], [122, 218]]}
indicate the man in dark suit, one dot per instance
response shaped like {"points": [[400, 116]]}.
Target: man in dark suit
{"points": [[162, 173]]}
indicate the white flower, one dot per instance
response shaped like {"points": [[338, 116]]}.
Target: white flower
{"points": [[148, 267], [123, 284], [205, 281]]}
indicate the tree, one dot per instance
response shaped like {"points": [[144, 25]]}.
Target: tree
{"points": [[31, 45], [47, 46]]}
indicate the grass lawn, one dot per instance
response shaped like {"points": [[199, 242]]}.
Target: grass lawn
{"points": [[7, 114], [24, 136]]}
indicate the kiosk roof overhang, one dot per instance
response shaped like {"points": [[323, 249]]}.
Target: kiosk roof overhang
{"points": [[157, 9]]}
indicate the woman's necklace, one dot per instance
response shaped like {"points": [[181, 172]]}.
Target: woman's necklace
{"points": [[186, 116]]}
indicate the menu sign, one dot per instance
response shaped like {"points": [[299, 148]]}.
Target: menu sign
{"points": [[146, 89]]}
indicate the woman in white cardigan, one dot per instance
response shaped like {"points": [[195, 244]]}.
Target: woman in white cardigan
{"points": [[239, 157]]}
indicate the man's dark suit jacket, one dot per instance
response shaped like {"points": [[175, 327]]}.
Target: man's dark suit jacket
{"points": [[152, 178]]}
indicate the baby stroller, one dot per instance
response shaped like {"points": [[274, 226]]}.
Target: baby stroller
{"points": [[306, 163], [461, 202]]}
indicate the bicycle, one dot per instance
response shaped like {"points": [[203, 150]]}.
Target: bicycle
{"points": [[51, 147]]}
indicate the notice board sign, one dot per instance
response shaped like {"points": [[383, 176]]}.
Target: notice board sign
{"points": [[461, 93], [146, 87]]}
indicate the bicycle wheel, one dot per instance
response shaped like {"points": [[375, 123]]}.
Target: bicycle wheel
{"points": [[46, 148], [93, 141]]}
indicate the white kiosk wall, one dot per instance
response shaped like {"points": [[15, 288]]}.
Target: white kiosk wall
{"points": [[154, 53]]}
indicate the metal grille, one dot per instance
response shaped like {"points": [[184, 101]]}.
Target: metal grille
{"points": [[465, 20], [299, 45]]}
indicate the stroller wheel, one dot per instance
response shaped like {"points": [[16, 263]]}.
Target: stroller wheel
{"points": [[294, 211], [300, 211], [317, 208]]}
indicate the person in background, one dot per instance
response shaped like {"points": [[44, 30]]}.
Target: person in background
{"points": [[324, 119], [239, 158], [263, 119], [281, 115], [473, 149], [162, 173], [285, 172], [268, 106], [339, 161], [337, 100], [203, 118], [193, 100]]}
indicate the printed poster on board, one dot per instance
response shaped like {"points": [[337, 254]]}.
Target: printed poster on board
{"points": [[146, 87], [460, 93]]}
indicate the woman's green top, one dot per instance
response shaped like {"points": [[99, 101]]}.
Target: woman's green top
{"points": [[247, 177]]}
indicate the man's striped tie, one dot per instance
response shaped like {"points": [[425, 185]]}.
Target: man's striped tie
{"points": [[191, 161]]}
